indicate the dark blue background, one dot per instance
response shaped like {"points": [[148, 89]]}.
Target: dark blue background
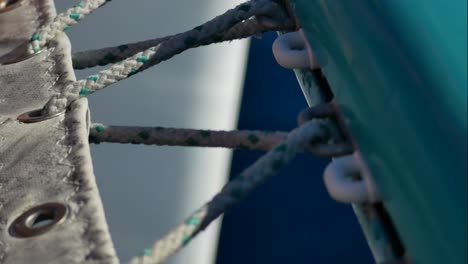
{"points": [[291, 218]]}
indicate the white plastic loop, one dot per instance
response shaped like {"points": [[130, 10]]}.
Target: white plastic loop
{"points": [[293, 51], [340, 184]]}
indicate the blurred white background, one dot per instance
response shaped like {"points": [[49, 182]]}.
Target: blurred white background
{"points": [[148, 189]]}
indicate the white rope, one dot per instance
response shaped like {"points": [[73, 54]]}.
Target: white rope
{"points": [[251, 27], [209, 32], [234, 191], [93, 83], [253, 17], [62, 22]]}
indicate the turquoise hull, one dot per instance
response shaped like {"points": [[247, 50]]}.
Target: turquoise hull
{"points": [[398, 70]]}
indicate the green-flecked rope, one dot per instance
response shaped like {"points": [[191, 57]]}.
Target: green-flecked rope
{"points": [[240, 139], [93, 83], [234, 191], [62, 22], [213, 30], [251, 27], [162, 136], [209, 32]]}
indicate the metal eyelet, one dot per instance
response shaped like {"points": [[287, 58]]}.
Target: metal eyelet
{"points": [[38, 220], [20, 53], [36, 116], [23, 57], [7, 5]]}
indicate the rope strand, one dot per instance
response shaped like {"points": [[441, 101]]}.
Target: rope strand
{"points": [[213, 30], [240, 139], [161, 136], [233, 192], [101, 57]]}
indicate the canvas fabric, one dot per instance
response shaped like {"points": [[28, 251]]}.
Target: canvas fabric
{"points": [[47, 161]]}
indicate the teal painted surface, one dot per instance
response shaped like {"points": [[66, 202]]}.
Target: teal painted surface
{"points": [[398, 70], [375, 233], [376, 236]]}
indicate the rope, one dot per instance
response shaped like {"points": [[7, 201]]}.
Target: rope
{"points": [[252, 140], [93, 83], [244, 29], [250, 18], [237, 139], [209, 32], [62, 22], [213, 30], [233, 192]]}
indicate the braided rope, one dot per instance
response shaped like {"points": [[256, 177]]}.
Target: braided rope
{"points": [[93, 83], [236, 139], [234, 191], [251, 27], [213, 30], [233, 24], [209, 32], [62, 22], [240, 139]]}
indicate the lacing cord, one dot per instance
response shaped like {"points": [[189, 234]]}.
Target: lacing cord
{"points": [[161, 136], [251, 18], [252, 27], [228, 26], [314, 132], [236, 139], [297, 140]]}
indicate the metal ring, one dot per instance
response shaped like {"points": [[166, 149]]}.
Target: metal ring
{"points": [[38, 220], [7, 5], [36, 116], [22, 57]]}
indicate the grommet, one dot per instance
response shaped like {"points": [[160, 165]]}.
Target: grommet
{"points": [[7, 5], [38, 220], [36, 116], [20, 58]]}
